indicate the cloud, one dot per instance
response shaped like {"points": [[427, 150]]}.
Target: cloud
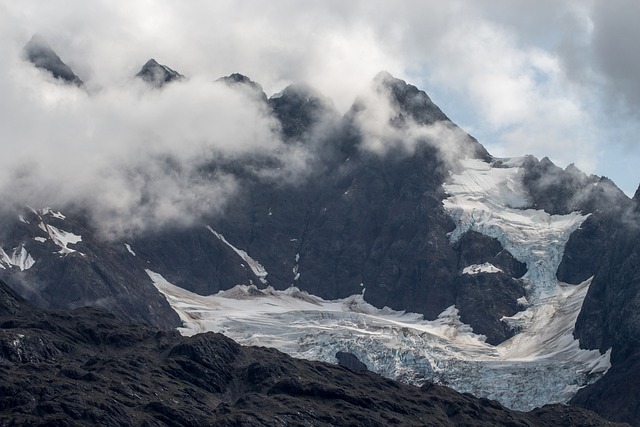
{"points": [[615, 35], [132, 153], [537, 78], [387, 124]]}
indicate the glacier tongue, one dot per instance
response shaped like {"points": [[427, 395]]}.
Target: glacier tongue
{"points": [[402, 345]]}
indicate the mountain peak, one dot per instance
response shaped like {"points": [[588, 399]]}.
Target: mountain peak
{"points": [[237, 80], [157, 74], [39, 53], [298, 107], [409, 98]]}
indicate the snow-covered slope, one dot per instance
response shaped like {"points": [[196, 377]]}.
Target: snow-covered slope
{"points": [[541, 367]]}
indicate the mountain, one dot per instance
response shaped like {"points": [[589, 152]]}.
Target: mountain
{"points": [[158, 75], [400, 241], [39, 53], [85, 367], [244, 83], [58, 262]]}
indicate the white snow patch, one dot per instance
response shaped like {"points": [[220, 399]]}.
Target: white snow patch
{"points": [[19, 258], [4, 259], [50, 211], [546, 367], [254, 265], [21, 218], [126, 245], [61, 238], [481, 268], [40, 239]]}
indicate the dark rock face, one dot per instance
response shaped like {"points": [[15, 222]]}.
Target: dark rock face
{"points": [[475, 248], [559, 191], [10, 301], [610, 316], [353, 220], [483, 299], [611, 400], [351, 362], [158, 75], [299, 108], [358, 221], [415, 103], [90, 272], [86, 367], [39, 53], [607, 248]]}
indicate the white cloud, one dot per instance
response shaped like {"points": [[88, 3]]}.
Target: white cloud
{"points": [[530, 77]]}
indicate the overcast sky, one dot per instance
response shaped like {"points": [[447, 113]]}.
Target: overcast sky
{"points": [[549, 78]]}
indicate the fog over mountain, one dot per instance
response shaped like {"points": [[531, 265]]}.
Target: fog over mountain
{"points": [[557, 80], [438, 193]]}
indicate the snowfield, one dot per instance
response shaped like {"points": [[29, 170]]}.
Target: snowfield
{"points": [[541, 364]]}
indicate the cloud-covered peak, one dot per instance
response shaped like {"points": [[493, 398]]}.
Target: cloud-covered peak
{"points": [[157, 74], [39, 53], [244, 83], [409, 99], [299, 106]]}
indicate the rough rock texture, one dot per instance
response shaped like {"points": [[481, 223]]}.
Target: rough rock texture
{"points": [[352, 220], [615, 396], [87, 368], [484, 299], [475, 248], [299, 108], [351, 362], [39, 53]]}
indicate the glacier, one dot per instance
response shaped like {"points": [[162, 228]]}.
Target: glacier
{"points": [[541, 364]]}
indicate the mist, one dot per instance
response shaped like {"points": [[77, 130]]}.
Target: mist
{"points": [[525, 79], [130, 152]]}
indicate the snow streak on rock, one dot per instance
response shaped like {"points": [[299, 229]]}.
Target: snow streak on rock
{"points": [[61, 238], [19, 258], [254, 265]]}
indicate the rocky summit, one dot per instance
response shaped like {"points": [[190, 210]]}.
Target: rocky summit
{"points": [[156, 74], [38, 52]]}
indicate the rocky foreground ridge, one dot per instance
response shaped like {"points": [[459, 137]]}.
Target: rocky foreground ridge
{"points": [[85, 367]]}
